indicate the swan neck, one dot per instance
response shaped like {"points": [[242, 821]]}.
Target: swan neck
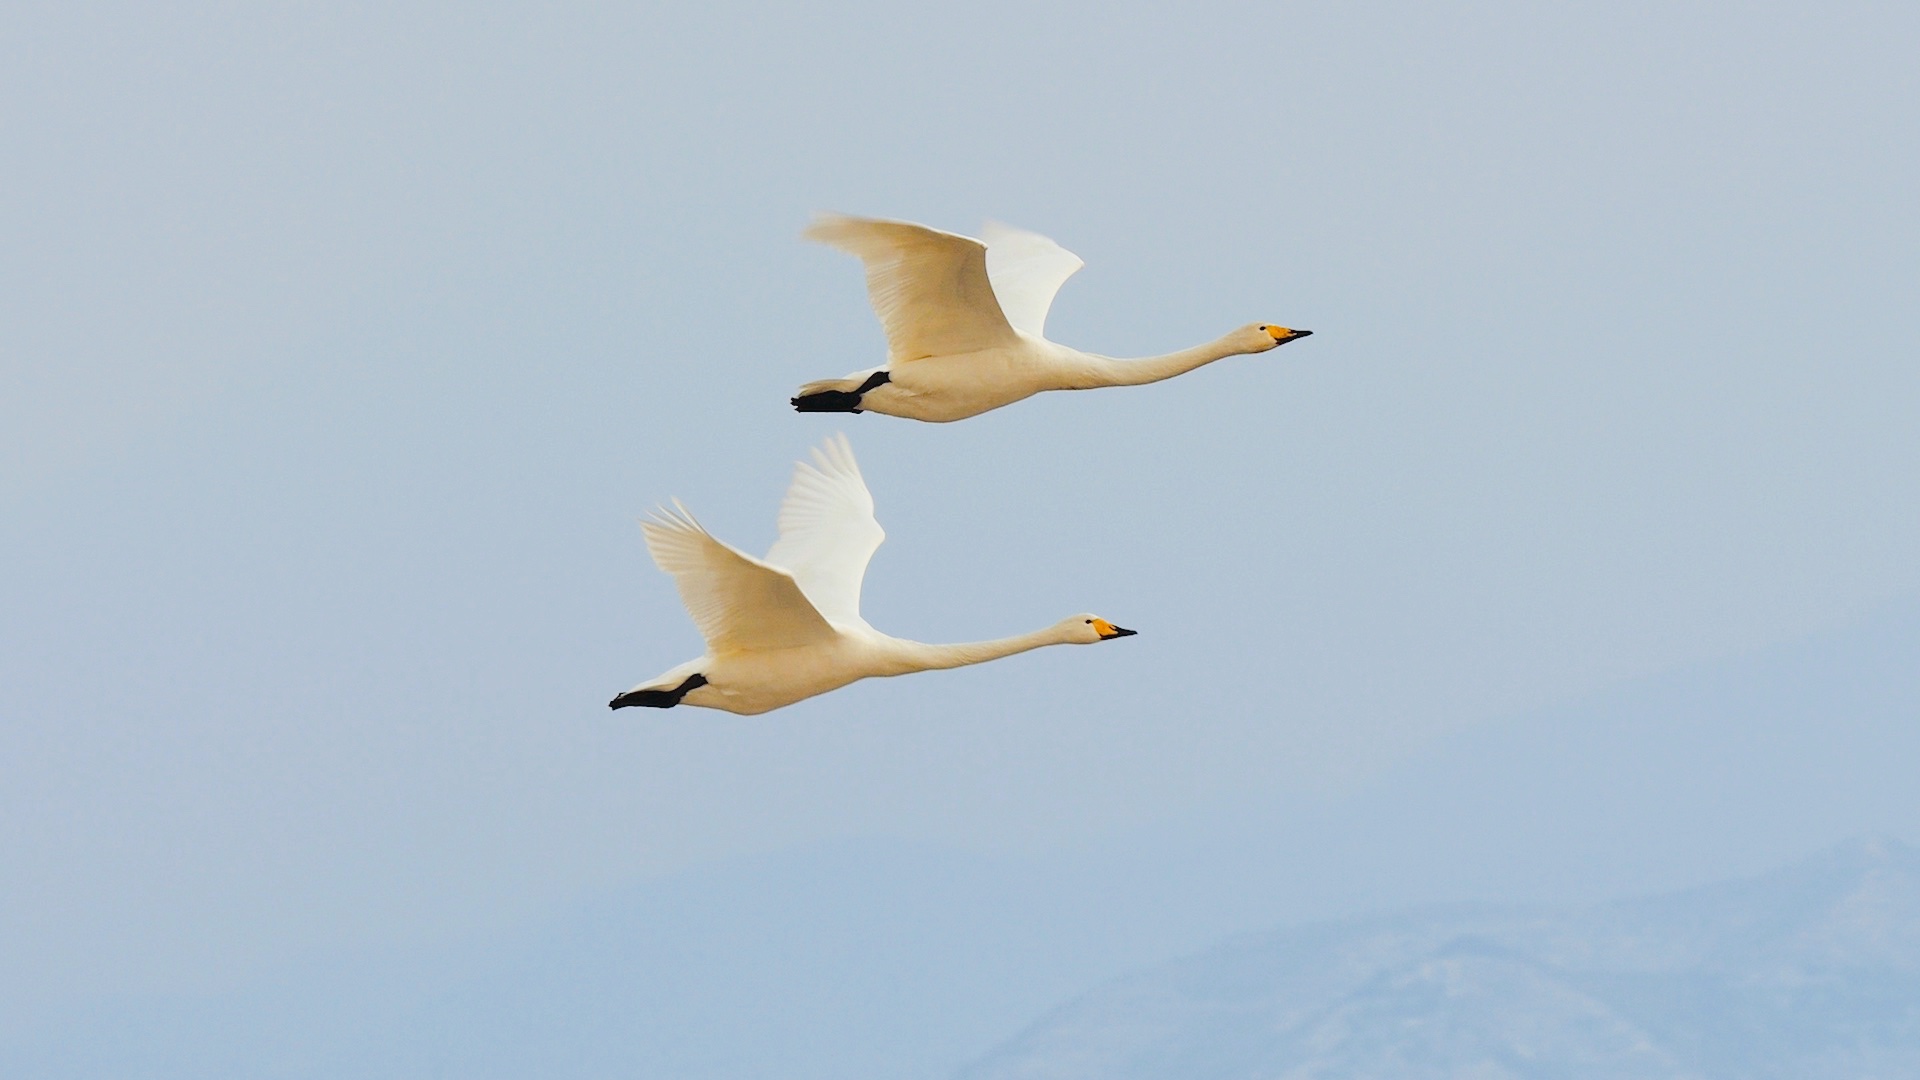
{"points": [[936, 657], [1107, 371]]}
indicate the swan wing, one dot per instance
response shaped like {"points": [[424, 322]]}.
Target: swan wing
{"points": [[1026, 270], [828, 532], [929, 287], [739, 603]]}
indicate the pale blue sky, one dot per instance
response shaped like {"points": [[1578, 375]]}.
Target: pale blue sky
{"points": [[343, 345]]}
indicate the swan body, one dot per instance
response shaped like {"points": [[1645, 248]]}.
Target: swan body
{"points": [[965, 321], [787, 627]]}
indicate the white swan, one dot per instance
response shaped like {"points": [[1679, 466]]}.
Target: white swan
{"points": [[965, 324], [789, 627]]}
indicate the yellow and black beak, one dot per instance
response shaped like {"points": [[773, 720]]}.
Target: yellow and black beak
{"points": [[1282, 334], [1108, 631]]}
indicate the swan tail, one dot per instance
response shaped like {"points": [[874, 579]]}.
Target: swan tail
{"points": [[836, 395], [656, 698]]}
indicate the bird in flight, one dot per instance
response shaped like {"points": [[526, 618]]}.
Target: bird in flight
{"points": [[788, 627], [965, 321]]}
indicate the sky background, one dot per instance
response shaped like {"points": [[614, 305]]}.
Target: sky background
{"points": [[342, 345]]}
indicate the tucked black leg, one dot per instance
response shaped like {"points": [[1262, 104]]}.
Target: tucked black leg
{"points": [[847, 401], [658, 699], [827, 401]]}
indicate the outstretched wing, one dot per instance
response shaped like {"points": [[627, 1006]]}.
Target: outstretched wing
{"points": [[739, 603], [827, 531], [1026, 270], [929, 287]]}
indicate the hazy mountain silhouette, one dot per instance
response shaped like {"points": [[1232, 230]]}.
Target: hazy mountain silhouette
{"points": [[1810, 972]]}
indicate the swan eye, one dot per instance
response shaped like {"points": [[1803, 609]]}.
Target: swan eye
{"points": [[1089, 622]]}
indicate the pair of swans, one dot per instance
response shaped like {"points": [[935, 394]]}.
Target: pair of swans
{"points": [[964, 322]]}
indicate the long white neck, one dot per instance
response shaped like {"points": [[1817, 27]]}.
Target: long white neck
{"points": [[1093, 371], [917, 656]]}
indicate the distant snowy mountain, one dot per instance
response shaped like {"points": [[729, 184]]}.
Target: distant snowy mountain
{"points": [[1811, 972]]}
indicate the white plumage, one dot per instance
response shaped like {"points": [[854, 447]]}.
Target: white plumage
{"points": [[828, 532], [966, 321], [788, 627]]}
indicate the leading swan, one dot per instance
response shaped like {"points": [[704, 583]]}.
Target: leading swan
{"points": [[788, 627], [966, 320]]}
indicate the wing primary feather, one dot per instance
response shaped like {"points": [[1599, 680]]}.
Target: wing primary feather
{"points": [[738, 602], [1026, 271], [929, 288], [827, 530]]}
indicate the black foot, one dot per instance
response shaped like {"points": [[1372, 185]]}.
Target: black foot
{"points": [[839, 400], [828, 401], [658, 699]]}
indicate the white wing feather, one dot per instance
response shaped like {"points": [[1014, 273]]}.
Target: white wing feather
{"points": [[828, 532], [928, 287], [738, 602], [1026, 271]]}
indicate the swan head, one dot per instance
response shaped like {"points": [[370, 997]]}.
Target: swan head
{"points": [[1085, 629], [1259, 337]]}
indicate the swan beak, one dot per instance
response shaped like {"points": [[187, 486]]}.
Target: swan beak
{"points": [[1108, 631], [1283, 335]]}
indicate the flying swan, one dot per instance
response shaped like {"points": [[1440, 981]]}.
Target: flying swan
{"points": [[966, 321], [789, 627]]}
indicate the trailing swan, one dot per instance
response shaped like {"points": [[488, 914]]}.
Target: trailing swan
{"points": [[965, 324], [789, 627]]}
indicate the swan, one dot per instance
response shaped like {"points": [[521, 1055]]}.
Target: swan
{"points": [[965, 323], [788, 627]]}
